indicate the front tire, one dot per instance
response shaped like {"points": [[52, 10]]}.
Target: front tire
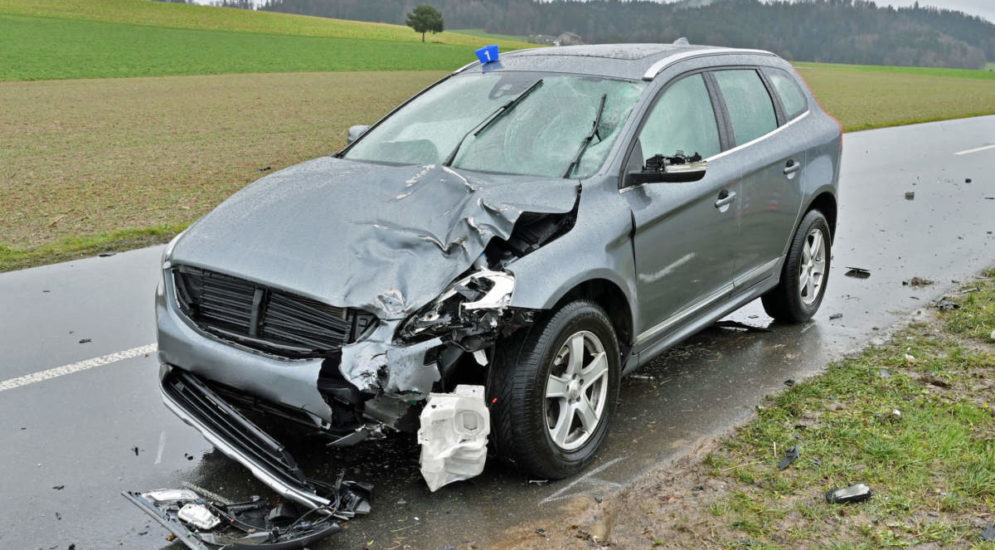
{"points": [[805, 273], [552, 391]]}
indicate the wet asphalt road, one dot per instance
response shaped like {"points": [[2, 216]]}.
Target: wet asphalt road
{"points": [[69, 444]]}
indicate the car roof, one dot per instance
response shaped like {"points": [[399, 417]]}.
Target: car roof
{"points": [[631, 61]]}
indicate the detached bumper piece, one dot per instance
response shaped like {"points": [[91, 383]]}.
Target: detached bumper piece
{"points": [[201, 524], [236, 436]]}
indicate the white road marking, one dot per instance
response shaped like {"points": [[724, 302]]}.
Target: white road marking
{"points": [[162, 446], [976, 150], [56, 372], [556, 495]]}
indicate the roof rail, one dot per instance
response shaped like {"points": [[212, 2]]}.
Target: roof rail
{"points": [[662, 64]]}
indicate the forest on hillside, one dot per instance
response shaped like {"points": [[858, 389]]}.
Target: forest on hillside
{"points": [[840, 31]]}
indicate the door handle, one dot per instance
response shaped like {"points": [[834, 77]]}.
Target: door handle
{"points": [[725, 197], [791, 167]]}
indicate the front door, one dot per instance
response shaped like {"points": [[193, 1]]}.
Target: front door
{"points": [[685, 233]]}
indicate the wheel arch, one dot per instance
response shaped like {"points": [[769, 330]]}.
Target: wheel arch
{"points": [[610, 297], [825, 202]]}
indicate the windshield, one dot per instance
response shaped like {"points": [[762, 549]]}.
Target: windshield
{"points": [[539, 135]]}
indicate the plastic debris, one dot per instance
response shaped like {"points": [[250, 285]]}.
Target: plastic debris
{"points": [[854, 493], [917, 282], [790, 456], [453, 436], [910, 195], [857, 273], [947, 305], [835, 316]]}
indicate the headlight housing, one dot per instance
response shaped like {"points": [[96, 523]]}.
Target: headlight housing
{"points": [[167, 252], [470, 305]]}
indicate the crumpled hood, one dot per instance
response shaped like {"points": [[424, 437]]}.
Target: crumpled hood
{"points": [[383, 238]]}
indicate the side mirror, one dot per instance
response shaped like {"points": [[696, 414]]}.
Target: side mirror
{"points": [[356, 131], [669, 173]]}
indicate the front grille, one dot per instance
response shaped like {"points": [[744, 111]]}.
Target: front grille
{"points": [[266, 319]]}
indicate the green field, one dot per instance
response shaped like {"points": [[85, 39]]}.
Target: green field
{"points": [[187, 16], [57, 39], [91, 163], [481, 33], [93, 49], [984, 74]]}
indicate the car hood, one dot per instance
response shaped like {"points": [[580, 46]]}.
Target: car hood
{"points": [[387, 239]]}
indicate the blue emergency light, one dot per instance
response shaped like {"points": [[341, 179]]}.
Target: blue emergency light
{"points": [[488, 54]]}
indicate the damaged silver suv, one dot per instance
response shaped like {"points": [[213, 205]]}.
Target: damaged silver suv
{"points": [[483, 265]]}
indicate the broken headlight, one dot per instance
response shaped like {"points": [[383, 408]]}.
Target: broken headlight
{"points": [[471, 305]]}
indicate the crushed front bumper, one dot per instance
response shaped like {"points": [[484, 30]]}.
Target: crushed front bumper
{"points": [[236, 436]]}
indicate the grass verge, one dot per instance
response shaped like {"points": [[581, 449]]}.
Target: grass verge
{"points": [[913, 419], [73, 247]]}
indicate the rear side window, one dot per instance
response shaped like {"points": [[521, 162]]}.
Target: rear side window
{"points": [[750, 107], [791, 95], [682, 120]]}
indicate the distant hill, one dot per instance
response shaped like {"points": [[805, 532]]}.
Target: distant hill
{"points": [[841, 31]]}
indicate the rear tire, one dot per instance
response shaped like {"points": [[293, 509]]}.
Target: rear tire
{"points": [[552, 391], [805, 273]]}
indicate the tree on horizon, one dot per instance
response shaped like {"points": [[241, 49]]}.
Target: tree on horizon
{"points": [[425, 18]]}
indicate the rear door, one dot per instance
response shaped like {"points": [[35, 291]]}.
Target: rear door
{"points": [[771, 163], [685, 233]]}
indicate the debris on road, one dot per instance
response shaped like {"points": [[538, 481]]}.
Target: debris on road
{"points": [[539, 482], [967, 180], [203, 524], [857, 273], [59, 487], [835, 316], [85, 341], [932, 380], [910, 195], [789, 382], [106, 254], [946, 305], [790, 456], [854, 493], [737, 326], [917, 282]]}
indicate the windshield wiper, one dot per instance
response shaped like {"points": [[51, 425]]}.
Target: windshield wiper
{"points": [[491, 119], [587, 139]]}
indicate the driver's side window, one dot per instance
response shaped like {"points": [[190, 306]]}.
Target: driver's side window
{"points": [[682, 120]]}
